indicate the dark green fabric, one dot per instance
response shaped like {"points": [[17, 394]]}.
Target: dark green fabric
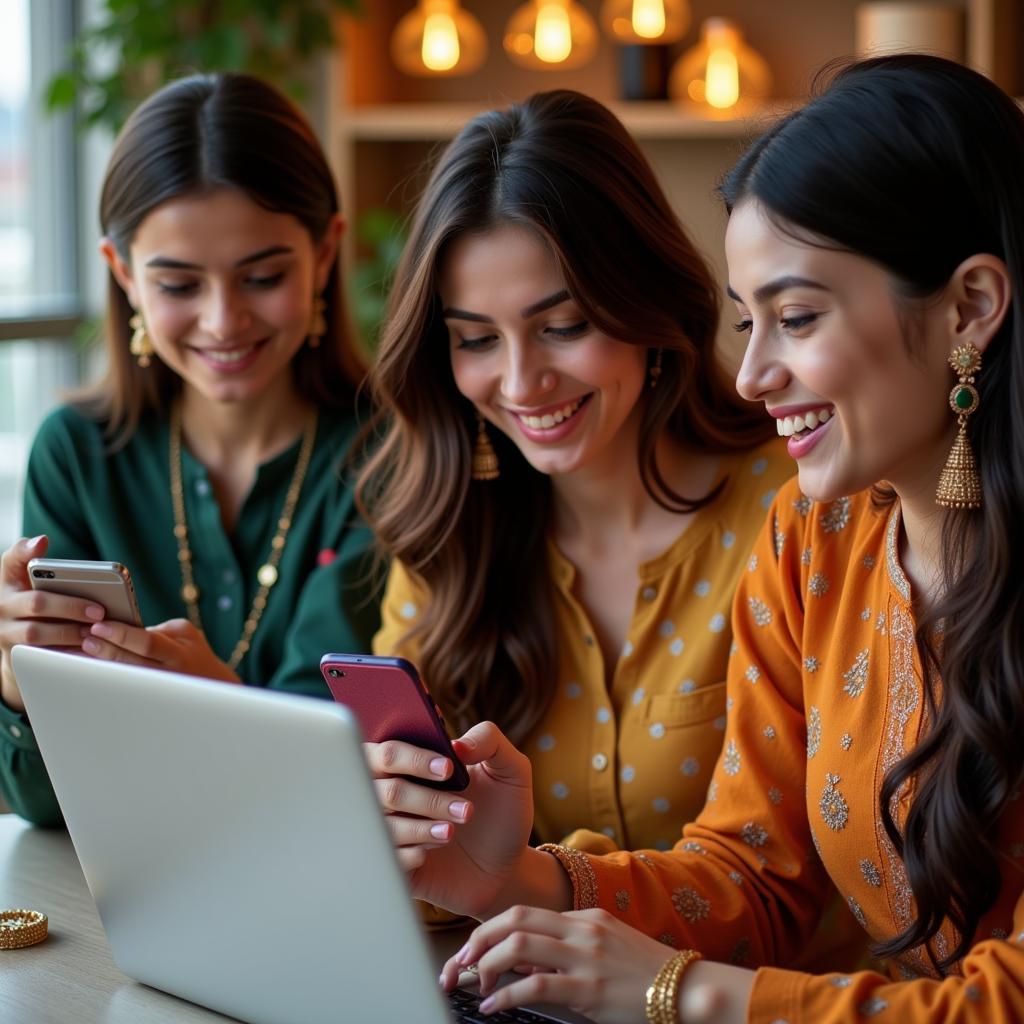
{"points": [[117, 506]]}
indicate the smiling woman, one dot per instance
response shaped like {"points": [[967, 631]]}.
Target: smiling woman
{"points": [[209, 460]]}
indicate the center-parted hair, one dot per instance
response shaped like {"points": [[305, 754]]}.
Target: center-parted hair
{"points": [[916, 163], [191, 138], [561, 165]]}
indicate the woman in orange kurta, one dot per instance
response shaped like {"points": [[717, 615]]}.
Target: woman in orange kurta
{"points": [[875, 698]]}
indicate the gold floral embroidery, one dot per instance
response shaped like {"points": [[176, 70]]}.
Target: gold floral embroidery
{"points": [[775, 795], [622, 899], [846, 742], [856, 911], [805, 556], [735, 877], [731, 759], [769, 732], [754, 835], [761, 612], [868, 561], [818, 585], [857, 675], [753, 673], [778, 536], [668, 939], [752, 564], [872, 1006], [837, 517], [803, 505], [892, 559], [865, 614], [833, 806], [690, 904], [811, 664], [871, 873], [813, 731]]}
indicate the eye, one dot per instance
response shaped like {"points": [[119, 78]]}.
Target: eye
{"points": [[473, 344], [794, 323], [572, 331], [266, 282], [177, 289], [743, 326]]}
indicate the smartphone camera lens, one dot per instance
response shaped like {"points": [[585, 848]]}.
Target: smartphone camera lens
{"points": [[43, 574], [334, 673]]}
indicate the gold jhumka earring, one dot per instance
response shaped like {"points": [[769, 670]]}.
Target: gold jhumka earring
{"points": [[140, 346], [317, 321], [655, 368], [485, 459], [959, 483]]}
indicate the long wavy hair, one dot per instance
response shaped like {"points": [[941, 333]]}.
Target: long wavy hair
{"points": [[562, 165], [914, 162], [194, 136]]}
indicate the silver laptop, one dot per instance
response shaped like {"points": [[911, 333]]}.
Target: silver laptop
{"points": [[233, 843]]}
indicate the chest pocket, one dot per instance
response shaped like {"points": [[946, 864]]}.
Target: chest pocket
{"points": [[679, 710]]}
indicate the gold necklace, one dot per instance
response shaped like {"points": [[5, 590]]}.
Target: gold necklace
{"points": [[267, 573]]}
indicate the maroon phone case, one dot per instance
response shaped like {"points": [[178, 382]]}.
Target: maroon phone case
{"points": [[391, 703]]}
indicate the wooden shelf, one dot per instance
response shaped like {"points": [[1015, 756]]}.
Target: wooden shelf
{"points": [[429, 122]]}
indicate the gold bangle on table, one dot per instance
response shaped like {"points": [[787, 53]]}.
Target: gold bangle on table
{"points": [[20, 928], [662, 1000]]}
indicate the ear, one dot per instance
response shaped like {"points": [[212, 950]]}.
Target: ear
{"points": [[327, 250], [980, 294], [121, 270]]}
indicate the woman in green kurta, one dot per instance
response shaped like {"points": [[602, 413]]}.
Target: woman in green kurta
{"points": [[210, 460]]}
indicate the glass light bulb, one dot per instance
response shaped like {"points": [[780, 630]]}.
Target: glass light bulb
{"points": [[648, 18], [552, 36], [722, 81], [440, 50]]}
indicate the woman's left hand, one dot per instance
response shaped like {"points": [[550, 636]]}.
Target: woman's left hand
{"points": [[587, 960], [175, 645]]}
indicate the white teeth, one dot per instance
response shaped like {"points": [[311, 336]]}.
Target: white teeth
{"points": [[234, 356], [551, 419], [787, 426]]}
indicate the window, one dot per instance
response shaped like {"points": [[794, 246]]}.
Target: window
{"points": [[39, 293]]}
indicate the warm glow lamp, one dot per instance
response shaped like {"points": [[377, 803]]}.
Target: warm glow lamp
{"points": [[645, 21], [550, 35], [438, 38], [721, 77]]}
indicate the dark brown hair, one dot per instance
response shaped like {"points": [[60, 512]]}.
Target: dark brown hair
{"points": [[914, 162], [194, 136], [562, 165]]}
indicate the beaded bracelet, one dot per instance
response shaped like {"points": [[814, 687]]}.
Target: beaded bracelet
{"points": [[580, 871], [662, 997]]}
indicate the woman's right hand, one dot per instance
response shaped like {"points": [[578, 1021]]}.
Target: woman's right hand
{"points": [[461, 850], [34, 617]]}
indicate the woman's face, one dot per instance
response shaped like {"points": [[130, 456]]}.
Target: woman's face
{"points": [[225, 288], [828, 357], [525, 355]]}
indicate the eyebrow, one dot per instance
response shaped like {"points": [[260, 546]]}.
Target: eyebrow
{"points": [[780, 284], [525, 313], [166, 263]]}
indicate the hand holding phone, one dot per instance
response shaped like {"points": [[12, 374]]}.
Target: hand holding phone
{"points": [[108, 584], [391, 703]]}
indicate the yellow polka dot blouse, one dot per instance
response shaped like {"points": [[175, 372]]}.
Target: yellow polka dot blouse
{"points": [[627, 765]]}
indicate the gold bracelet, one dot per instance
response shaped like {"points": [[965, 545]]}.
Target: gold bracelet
{"points": [[20, 928], [580, 871], [661, 1002]]}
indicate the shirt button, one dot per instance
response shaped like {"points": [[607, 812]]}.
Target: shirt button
{"points": [[224, 603], [202, 488], [648, 593], [600, 762], [16, 731]]}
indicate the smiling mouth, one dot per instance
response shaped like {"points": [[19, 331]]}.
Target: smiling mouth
{"points": [[227, 356], [553, 419], [801, 426]]}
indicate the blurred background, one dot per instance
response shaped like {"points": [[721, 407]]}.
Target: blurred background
{"points": [[386, 83]]}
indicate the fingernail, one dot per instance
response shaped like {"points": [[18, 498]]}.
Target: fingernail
{"points": [[439, 767], [459, 808], [460, 957], [487, 1005], [90, 646], [102, 629], [440, 830], [94, 611], [468, 743], [35, 540]]}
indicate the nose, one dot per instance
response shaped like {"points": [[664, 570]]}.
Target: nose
{"points": [[224, 314], [761, 373], [527, 375]]}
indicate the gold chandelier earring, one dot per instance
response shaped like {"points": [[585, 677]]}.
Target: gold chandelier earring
{"points": [[485, 459], [317, 321], [655, 368], [959, 483], [140, 346]]}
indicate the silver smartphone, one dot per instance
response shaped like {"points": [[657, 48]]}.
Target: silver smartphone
{"points": [[107, 583]]}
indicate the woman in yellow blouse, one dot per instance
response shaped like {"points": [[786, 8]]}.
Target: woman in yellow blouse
{"points": [[875, 243], [551, 308]]}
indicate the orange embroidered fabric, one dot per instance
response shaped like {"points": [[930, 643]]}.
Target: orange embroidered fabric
{"points": [[824, 695]]}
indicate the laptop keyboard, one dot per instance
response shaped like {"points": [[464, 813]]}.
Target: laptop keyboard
{"points": [[466, 1010]]}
